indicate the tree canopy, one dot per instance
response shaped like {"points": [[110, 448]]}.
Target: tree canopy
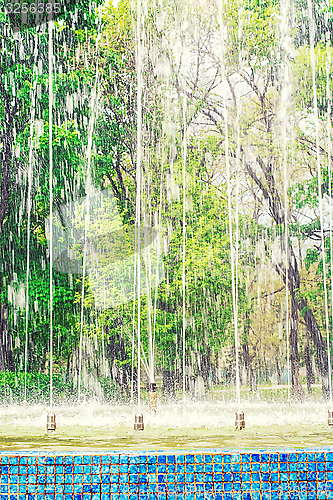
{"points": [[236, 100]]}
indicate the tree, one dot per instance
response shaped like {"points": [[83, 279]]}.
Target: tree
{"points": [[24, 142], [240, 95]]}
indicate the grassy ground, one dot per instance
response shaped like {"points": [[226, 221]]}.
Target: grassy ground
{"points": [[266, 393]]}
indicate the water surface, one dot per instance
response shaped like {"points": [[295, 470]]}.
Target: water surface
{"points": [[93, 426]]}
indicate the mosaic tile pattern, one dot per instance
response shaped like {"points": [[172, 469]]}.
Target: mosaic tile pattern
{"points": [[194, 475]]}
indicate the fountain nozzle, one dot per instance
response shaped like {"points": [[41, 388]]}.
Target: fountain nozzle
{"points": [[240, 421], [330, 418], [152, 397], [51, 422], [138, 422]]}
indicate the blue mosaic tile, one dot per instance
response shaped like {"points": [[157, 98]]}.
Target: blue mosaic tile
{"points": [[243, 475]]}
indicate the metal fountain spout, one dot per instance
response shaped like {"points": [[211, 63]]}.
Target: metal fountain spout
{"points": [[51, 422], [138, 422], [240, 421], [152, 397], [330, 418]]}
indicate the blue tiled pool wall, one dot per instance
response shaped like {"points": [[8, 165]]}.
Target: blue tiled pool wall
{"points": [[250, 475]]}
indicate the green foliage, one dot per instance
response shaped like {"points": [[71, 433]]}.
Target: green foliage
{"points": [[94, 82], [302, 76], [110, 390], [38, 388]]}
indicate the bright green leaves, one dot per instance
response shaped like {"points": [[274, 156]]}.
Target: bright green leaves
{"points": [[302, 75]]}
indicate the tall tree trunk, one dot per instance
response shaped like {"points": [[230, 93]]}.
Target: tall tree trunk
{"points": [[8, 168], [247, 359], [214, 367], [310, 322], [205, 366], [320, 346], [68, 366], [308, 365], [117, 352], [297, 390], [271, 193], [278, 371], [248, 366], [169, 385], [307, 314], [7, 361]]}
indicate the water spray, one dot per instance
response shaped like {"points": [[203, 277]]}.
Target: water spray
{"points": [[233, 253], [138, 417], [284, 105], [31, 146], [50, 422], [184, 251], [320, 196]]}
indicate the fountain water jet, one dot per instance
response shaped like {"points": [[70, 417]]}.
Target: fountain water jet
{"points": [[232, 254], [313, 71], [50, 47], [32, 124]]}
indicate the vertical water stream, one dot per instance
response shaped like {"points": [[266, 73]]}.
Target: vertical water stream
{"points": [[329, 163], [86, 208], [320, 196], [183, 246], [138, 186], [284, 110], [231, 238], [30, 167], [50, 29]]}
